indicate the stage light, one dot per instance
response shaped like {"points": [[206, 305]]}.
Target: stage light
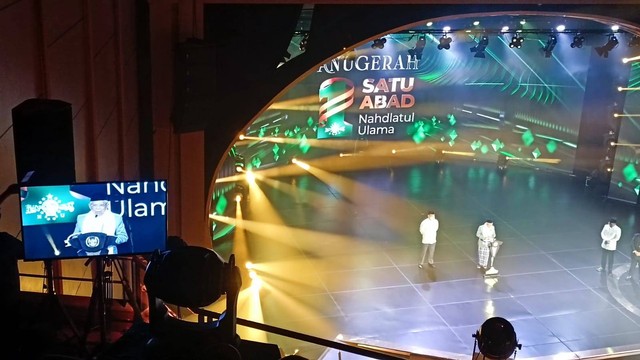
{"points": [[239, 193], [379, 43], [496, 339], [241, 137], [239, 163], [603, 51], [577, 42], [560, 28], [445, 42], [480, 47], [419, 47], [516, 41], [551, 44]]}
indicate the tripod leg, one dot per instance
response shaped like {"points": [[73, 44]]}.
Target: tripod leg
{"points": [[97, 301], [127, 289]]}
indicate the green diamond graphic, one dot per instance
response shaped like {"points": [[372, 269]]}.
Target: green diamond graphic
{"points": [[261, 132], [637, 190], [536, 153], [418, 137], [497, 145], [304, 144], [552, 146], [453, 135], [275, 149], [310, 122], [256, 162], [475, 145], [452, 119], [221, 205], [451, 143], [527, 138], [629, 172], [484, 149]]}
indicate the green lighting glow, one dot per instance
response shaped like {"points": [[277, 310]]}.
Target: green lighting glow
{"points": [[476, 145], [630, 173], [552, 146]]}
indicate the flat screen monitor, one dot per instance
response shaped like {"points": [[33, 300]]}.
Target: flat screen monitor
{"points": [[84, 220]]}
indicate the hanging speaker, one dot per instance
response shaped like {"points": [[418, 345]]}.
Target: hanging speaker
{"points": [[43, 141]]}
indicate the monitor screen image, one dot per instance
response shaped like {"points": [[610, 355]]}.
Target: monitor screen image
{"points": [[93, 219]]}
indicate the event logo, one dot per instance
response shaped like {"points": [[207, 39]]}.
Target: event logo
{"points": [[336, 96], [50, 208]]}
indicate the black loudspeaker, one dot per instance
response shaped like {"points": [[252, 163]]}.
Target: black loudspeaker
{"points": [[43, 141]]}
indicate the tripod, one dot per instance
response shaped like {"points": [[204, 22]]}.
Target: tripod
{"points": [[102, 291], [51, 305]]}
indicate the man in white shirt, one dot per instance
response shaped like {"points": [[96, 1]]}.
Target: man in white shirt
{"points": [[610, 235], [99, 219], [429, 229]]}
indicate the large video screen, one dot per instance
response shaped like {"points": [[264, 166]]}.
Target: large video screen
{"points": [[93, 219], [511, 101]]}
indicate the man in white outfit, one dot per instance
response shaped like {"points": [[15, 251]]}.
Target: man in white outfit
{"points": [[99, 219], [486, 235], [429, 229], [610, 235]]}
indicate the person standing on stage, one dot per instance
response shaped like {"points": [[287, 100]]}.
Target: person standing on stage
{"points": [[610, 235], [486, 236], [635, 256], [429, 229]]}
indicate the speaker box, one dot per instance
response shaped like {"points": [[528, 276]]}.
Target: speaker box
{"points": [[43, 141]]}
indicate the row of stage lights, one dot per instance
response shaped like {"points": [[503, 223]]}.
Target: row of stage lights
{"points": [[517, 41]]}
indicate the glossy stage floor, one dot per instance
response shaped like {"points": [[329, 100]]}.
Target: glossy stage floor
{"points": [[339, 257]]}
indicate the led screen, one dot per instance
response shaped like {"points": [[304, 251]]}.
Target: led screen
{"points": [[93, 219]]}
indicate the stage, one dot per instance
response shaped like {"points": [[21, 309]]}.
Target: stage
{"points": [[338, 258]]}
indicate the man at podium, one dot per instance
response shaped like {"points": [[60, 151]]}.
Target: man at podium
{"points": [[99, 231]]}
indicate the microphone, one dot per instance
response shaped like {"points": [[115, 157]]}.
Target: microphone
{"points": [[96, 216]]}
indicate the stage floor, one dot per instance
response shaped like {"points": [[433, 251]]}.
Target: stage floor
{"points": [[340, 257]]}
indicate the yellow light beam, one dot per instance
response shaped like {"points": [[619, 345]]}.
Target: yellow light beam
{"points": [[375, 203], [542, 160], [626, 60], [625, 115]]}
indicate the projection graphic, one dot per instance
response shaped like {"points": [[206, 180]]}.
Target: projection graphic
{"points": [[514, 102]]}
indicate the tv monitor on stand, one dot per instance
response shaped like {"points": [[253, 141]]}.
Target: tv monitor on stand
{"points": [[93, 219]]}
